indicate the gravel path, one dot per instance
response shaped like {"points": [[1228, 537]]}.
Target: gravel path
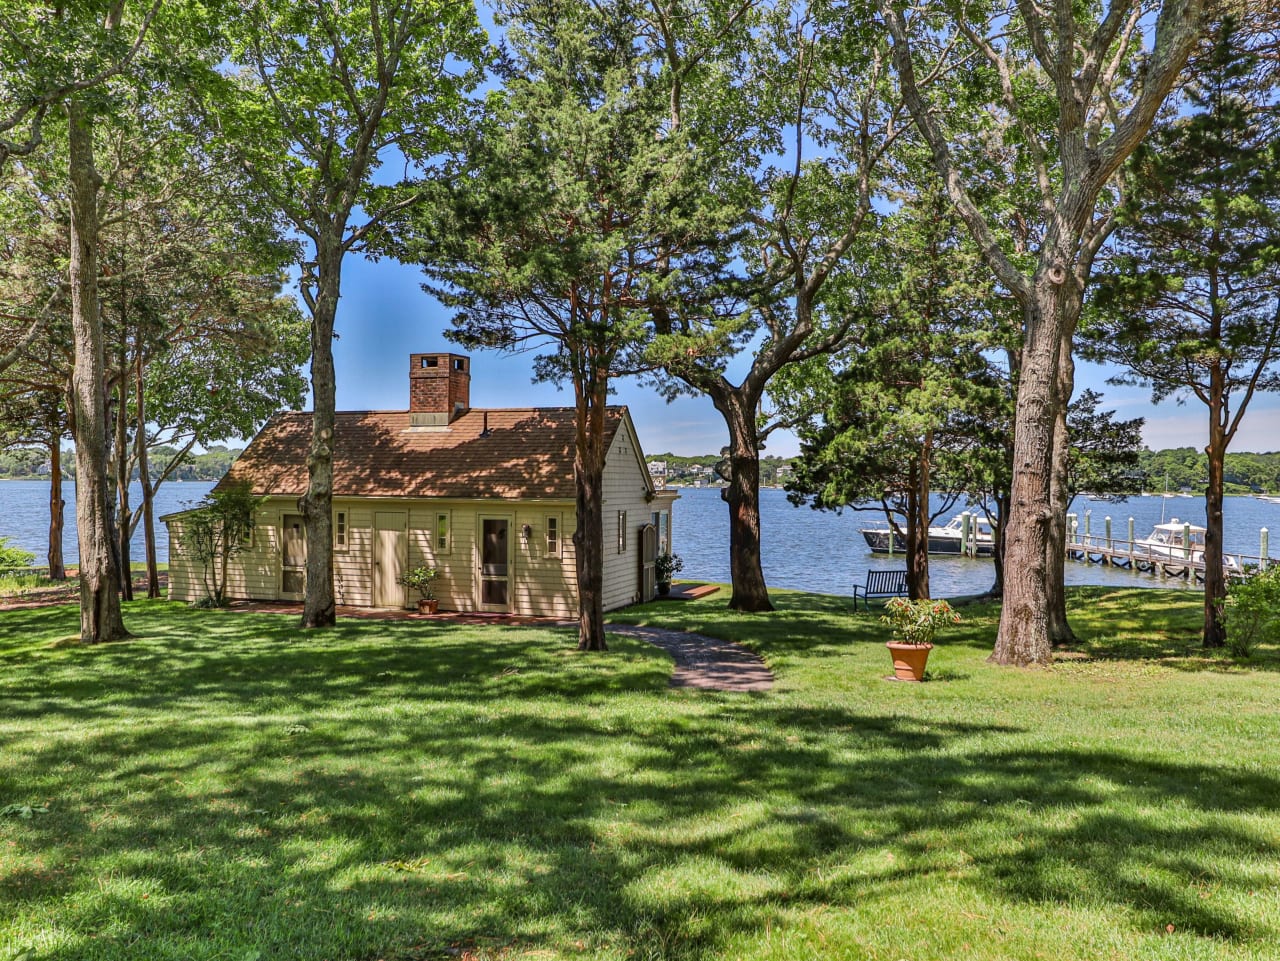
{"points": [[704, 662]]}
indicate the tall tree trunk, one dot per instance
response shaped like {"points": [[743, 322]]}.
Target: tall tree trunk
{"points": [[999, 523], [921, 521], [57, 506], [743, 497], [1215, 579], [100, 618], [316, 506], [592, 398], [917, 539], [125, 515], [144, 478], [1060, 632], [1024, 634]]}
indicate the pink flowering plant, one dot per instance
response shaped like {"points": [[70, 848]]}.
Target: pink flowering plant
{"points": [[917, 622]]}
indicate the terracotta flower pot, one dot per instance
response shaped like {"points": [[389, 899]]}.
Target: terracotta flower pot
{"points": [[428, 606], [909, 660]]}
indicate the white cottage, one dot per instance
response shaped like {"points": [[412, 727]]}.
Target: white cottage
{"points": [[486, 496]]}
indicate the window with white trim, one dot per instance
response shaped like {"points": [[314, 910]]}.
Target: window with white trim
{"points": [[622, 532], [553, 535], [340, 530], [441, 538]]}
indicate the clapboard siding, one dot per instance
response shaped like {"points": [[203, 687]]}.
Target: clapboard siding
{"points": [[183, 578], [353, 567], [626, 485], [454, 586], [542, 584], [253, 573]]}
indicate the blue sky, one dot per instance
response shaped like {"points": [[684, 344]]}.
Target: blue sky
{"points": [[384, 316]]}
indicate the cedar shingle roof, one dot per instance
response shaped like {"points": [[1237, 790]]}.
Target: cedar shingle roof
{"points": [[528, 453]]}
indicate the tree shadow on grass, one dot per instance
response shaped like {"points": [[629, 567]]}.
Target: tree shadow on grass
{"points": [[1157, 626], [263, 662], [409, 828]]}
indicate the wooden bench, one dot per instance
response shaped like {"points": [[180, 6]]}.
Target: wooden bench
{"points": [[880, 584]]}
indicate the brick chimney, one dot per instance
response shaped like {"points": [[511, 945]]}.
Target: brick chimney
{"points": [[439, 388]]}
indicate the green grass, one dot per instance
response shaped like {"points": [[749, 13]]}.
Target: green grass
{"points": [[14, 584], [227, 787]]}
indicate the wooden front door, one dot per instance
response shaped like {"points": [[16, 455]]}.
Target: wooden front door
{"points": [[293, 557], [390, 554], [648, 557], [495, 564]]}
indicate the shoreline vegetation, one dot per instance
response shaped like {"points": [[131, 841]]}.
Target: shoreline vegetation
{"points": [[431, 789], [1175, 470], [30, 464]]}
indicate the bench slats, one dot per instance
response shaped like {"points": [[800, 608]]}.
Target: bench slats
{"points": [[880, 584]]}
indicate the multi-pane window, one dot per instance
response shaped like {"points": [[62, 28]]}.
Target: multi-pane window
{"points": [[340, 531], [442, 533], [622, 532], [553, 536]]}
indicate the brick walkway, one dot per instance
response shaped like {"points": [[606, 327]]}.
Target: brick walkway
{"points": [[702, 662]]}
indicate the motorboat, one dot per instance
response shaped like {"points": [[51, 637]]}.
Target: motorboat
{"points": [[1179, 541], [1174, 540], [946, 539]]}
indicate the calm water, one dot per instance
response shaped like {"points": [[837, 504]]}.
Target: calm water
{"points": [[803, 548], [822, 551], [24, 515]]}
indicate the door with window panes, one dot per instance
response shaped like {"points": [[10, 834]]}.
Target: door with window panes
{"points": [[494, 549], [293, 557]]}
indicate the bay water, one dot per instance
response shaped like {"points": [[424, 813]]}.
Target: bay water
{"points": [[804, 549]]}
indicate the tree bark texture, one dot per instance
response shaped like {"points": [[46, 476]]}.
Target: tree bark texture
{"points": [[125, 514], [57, 507], [917, 539], [742, 494], [999, 524], [144, 478], [1025, 616], [100, 618], [921, 521], [588, 536], [1060, 632], [316, 506], [1215, 579]]}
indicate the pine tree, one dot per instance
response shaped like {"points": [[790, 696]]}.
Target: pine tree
{"points": [[1190, 301]]}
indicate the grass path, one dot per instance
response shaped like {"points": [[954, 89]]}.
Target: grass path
{"points": [[227, 787]]}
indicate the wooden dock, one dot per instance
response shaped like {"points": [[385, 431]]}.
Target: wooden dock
{"points": [[1094, 549]]}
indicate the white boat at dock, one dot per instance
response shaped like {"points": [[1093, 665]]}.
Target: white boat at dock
{"points": [[1178, 541], [945, 539]]}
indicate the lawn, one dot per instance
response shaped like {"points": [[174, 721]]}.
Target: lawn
{"points": [[227, 787]]}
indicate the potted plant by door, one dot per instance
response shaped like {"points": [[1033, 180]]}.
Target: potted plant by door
{"points": [[664, 566], [915, 624], [420, 579]]}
